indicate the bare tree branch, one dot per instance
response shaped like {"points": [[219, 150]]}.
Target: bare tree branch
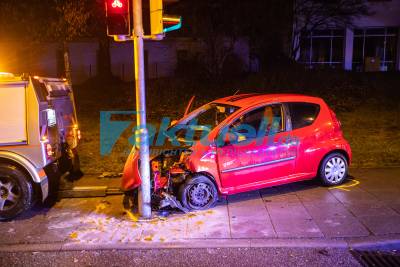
{"points": [[310, 15]]}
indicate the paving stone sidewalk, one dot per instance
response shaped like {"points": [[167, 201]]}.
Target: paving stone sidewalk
{"points": [[366, 206]]}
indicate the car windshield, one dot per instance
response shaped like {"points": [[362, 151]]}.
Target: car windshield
{"points": [[207, 118]]}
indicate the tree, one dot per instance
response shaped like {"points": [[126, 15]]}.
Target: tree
{"points": [[69, 22], [266, 24], [36, 21], [216, 24], [310, 15]]}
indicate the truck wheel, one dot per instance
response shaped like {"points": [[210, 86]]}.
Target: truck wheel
{"points": [[198, 193], [16, 192]]}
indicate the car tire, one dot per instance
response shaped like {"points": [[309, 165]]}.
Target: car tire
{"points": [[198, 193], [334, 169], [16, 192]]}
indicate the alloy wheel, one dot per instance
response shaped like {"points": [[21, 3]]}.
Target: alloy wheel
{"points": [[9, 193], [335, 170]]}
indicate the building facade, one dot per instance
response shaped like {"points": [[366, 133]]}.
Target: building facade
{"points": [[371, 44], [161, 58]]}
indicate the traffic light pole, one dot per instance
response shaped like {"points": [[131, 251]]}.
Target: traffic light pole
{"points": [[142, 137]]}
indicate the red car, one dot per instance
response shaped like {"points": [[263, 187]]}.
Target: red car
{"points": [[242, 143]]}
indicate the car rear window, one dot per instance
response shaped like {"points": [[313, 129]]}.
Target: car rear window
{"points": [[303, 114]]}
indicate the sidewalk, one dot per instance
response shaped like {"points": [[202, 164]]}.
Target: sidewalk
{"points": [[366, 210]]}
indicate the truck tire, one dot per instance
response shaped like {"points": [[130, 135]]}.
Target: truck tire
{"points": [[16, 192]]}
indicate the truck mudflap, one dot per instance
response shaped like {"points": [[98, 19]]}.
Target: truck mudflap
{"points": [[44, 185]]}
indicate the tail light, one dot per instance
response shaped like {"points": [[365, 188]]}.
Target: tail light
{"points": [[337, 125], [79, 135], [49, 150]]}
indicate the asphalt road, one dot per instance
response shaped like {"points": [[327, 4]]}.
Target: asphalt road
{"points": [[185, 257]]}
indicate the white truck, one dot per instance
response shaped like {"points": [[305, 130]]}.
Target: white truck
{"points": [[34, 140]]}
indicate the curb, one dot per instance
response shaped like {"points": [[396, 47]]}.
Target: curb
{"points": [[353, 243], [374, 241], [375, 167]]}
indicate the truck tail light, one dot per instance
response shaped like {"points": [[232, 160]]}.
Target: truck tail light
{"points": [[79, 135], [49, 150]]}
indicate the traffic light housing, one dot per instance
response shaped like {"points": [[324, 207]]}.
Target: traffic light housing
{"points": [[155, 22], [161, 23], [118, 17], [172, 23]]}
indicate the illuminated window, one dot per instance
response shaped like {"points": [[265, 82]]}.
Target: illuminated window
{"points": [[379, 44], [322, 48]]}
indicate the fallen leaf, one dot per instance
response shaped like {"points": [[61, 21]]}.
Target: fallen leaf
{"points": [[100, 207], [132, 216], [74, 235], [148, 238]]}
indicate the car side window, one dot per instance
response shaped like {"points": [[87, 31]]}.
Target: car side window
{"points": [[268, 119], [303, 114]]}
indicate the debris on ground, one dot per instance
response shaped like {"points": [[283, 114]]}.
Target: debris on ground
{"points": [[110, 175]]}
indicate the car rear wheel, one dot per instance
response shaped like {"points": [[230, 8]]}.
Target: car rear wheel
{"points": [[198, 193], [334, 169], [16, 192]]}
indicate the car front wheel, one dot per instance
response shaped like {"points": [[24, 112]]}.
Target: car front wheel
{"points": [[334, 169], [198, 193], [16, 192]]}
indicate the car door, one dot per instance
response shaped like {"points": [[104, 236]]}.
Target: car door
{"points": [[302, 117], [264, 154]]}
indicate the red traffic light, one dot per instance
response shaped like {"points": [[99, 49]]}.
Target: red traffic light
{"points": [[118, 17], [117, 6]]}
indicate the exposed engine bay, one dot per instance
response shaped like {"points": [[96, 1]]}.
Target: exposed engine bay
{"points": [[168, 173]]}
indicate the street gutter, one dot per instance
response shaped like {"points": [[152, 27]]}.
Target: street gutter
{"points": [[348, 243]]}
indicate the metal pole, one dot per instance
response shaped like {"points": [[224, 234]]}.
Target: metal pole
{"points": [[141, 132]]}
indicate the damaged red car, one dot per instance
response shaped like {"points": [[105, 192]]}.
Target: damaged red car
{"points": [[241, 143]]}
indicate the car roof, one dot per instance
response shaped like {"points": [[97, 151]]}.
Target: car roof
{"points": [[244, 100]]}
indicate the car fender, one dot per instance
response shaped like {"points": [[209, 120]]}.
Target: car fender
{"points": [[204, 161], [329, 147], [131, 176]]}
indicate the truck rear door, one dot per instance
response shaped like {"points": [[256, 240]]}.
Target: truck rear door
{"points": [[13, 127]]}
